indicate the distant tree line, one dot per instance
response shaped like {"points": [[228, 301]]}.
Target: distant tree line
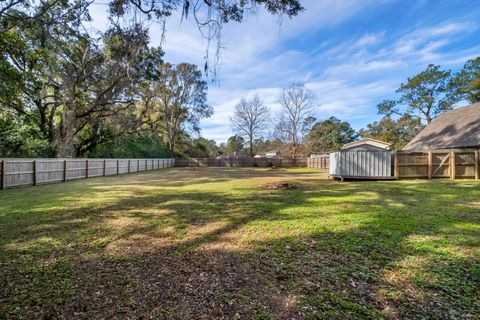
{"points": [[295, 132]]}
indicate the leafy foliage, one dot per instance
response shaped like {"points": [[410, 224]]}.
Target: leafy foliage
{"points": [[425, 95], [235, 144], [201, 148], [466, 83], [131, 146], [176, 101], [19, 138], [329, 135], [396, 132], [84, 93]]}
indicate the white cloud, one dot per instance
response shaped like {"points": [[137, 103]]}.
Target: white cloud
{"points": [[369, 40], [445, 29], [352, 69]]}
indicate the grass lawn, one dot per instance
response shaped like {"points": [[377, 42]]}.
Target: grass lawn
{"points": [[211, 243]]}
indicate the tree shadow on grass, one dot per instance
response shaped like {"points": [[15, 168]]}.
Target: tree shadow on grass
{"points": [[327, 250]]}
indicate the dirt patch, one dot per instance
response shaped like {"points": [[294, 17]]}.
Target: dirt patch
{"points": [[169, 285], [275, 186]]}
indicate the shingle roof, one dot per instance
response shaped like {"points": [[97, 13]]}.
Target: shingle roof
{"points": [[459, 128]]}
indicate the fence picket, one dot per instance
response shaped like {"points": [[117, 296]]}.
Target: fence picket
{"points": [[28, 172]]}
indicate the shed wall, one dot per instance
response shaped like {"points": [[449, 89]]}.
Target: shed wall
{"points": [[361, 163]]}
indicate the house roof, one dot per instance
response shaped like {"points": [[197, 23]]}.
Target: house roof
{"points": [[369, 141], [459, 128]]}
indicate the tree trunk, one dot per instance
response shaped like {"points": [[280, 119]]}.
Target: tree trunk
{"points": [[251, 146], [171, 146], [64, 138], [428, 118]]}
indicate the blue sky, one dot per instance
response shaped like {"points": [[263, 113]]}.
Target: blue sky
{"points": [[351, 53]]}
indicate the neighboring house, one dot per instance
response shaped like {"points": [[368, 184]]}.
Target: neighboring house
{"points": [[271, 154], [367, 144], [456, 129]]}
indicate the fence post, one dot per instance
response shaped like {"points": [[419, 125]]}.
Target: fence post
{"points": [[34, 172], [430, 164], [146, 166], [64, 170], [3, 175], [128, 165], [118, 166], [477, 164], [86, 170], [395, 165], [104, 167], [452, 164]]}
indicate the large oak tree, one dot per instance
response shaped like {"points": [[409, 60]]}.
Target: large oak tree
{"points": [[176, 101]]}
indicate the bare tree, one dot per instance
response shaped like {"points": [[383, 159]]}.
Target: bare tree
{"points": [[250, 119], [296, 107]]}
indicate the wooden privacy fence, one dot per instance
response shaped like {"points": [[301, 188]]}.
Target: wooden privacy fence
{"points": [[31, 172], [241, 162], [451, 163], [319, 162], [457, 163]]}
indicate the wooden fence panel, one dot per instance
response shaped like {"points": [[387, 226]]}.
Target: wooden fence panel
{"points": [[141, 165], [300, 163], [412, 164], [260, 162], [28, 172], [318, 162], [240, 162], [440, 165], [122, 166], [76, 169], [247, 162], [133, 165], [203, 162], [110, 167], [18, 173], [236, 162], [465, 164], [95, 168], [49, 171]]}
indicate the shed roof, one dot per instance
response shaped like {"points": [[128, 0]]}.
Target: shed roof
{"points": [[369, 141], [459, 128]]}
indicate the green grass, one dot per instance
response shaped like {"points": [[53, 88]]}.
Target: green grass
{"points": [[211, 243]]}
